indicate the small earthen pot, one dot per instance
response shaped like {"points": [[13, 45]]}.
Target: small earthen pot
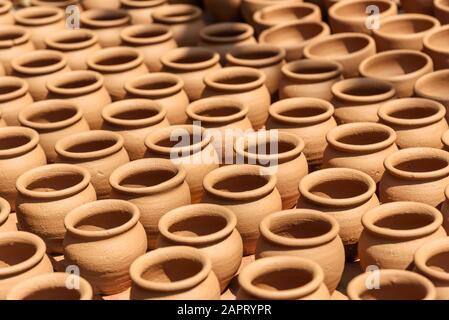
{"points": [[14, 41], [294, 36], [394, 231], [77, 45], [359, 99], [141, 10], [418, 6], [191, 64], [250, 7], [153, 40], [433, 86], [210, 228], [14, 96], [99, 151], [174, 273], [400, 67], [418, 122], [100, 4], [249, 193], [415, 174], [38, 67], [6, 16], [223, 10], [23, 257], [117, 65], [436, 46], [7, 222], [391, 285], [441, 10], [46, 195], [244, 84], [93, 229]]}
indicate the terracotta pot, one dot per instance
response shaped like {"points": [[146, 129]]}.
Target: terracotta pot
{"points": [[246, 191], [14, 96], [188, 146], [23, 257], [141, 10], [6, 16], [153, 40], [184, 20], [109, 229], [266, 58], [38, 67], [166, 89], [117, 65], [417, 122], [62, 4], [294, 36], [359, 99], [101, 4], [250, 7], [53, 120], [52, 286], [77, 45], [244, 84], [14, 41], [418, 6], [46, 195], [224, 10], [308, 118], [191, 64], [7, 222], [98, 151], [433, 86], [436, 47], [441, 10], [134, 119], [174, 273], [309, 78], [445, 210], [400, 227]]}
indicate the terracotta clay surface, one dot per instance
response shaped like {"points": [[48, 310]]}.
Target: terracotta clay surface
{"points": [[13, 98], [141, 10], [15, 40], [7, 222], [432, 86]]}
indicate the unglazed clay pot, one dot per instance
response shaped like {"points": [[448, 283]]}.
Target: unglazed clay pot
{"points": [[165, 89], [141, 10], [307, 234], [244, 84], [250, 7], [153, 40], [418, 122], [100, 4], [441, 10], [445, 210], [7, 223], [223, 10], [359, 99], [46, 195], [14, 41], [109, 229], [210, 228], [99, 151], [418, 6], [434, 86], [55, 3], [394, 231], [23, 257], [38, 67], [6, 16], [191, 64], [14, 96], [415, 174], [117, 65], [400, 67], [249, 193], [435, 45], [174, 273]]}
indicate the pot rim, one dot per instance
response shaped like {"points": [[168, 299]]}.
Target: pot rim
{"points": [[290, 103], [59, 3], [5, 210], [88, 18], [54, 83], [287, 69], [31, 134], [339, 87], [18, 62], [332, 10], [210, 103], [129, 34], [168, 59], [406, 16], [22, 16], [207, 33], [155, 77], [439, 4], [22, 85], [212, 79], [278, 57], [142, 4], [95, 57], [426, 252], [52, 40], [5, 6], [23, 38], [428, 77], [432, 33], [161, 14], [260, 19]]}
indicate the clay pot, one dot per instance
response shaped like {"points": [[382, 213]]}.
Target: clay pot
{"points": [[165, 89], [6, 16], [38, 67], [14, 96], [62, 4], [101, 4], [14, 41], [415, 174], [53, 120], [244, 84], [445, 210], [280, 152], [294, 36], [250, 7], [433, 86], [400, 67], [7, 223], [23, 257], [309, 78], [308, 118], [185, 22], [52, 286], [418, 6], [417, 122], [40, 22], [174, 273], [224, 10], [109, 229], [153, 40], [359, 99], [246, 191], [77, 45], [306, 234], [391, 285], [46, 195], [117, 65], [191, 64], [98, 151], [106, 24], [209, 228], [441, 10], [436, 47], [188, 146], [141, 10], [399, 227], [266, 58]]}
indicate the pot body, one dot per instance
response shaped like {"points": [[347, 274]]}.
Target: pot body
{"points": [[10, 109], [291, 88]]}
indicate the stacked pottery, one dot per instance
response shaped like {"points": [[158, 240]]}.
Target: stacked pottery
{"points": [[14, 41], [14, 96]]}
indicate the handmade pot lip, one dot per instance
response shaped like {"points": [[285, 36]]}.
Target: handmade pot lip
{"points": [[5, 6], [94, 58], [438, 4], [259, 17], [54, 83], [31, 134], [22, 16], [207, 33], [166, 254], [168, 58], [428, 38], [58, 3], [273, 264], [209, 103], [212, 78], [161, 14], [23, 38], [128, 34], [429, 77], [193, 211], [292, 103], [17, 63], [332, 10], [278, 57], [339, 87], [287, 69], [146, 165], [426, 252], [22, 85], [406, 16], [154, 77], [142, 4], [88, 18], [52, 40], [5, 210]]}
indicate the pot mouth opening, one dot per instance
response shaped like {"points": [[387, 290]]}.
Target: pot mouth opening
{"points": [[255, 55], [190, 58], [134, 113], [39, 62], [74, 83], [146, 34], [273, 15], [363, 90], [12, 88], [72, 39], [142, 3], [293, 34], [115, 59], [17, 140], [356, 10], [433, 85], [54, 3], [13, 35], [5, 6], [436, 40], [217, 110], [177, 13], [36, 16], [154, 85], [432, 259], [227, 32], [235, 79], [338, 46], [406, 25], [303, 111], [105, 18], [312, 70]]}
